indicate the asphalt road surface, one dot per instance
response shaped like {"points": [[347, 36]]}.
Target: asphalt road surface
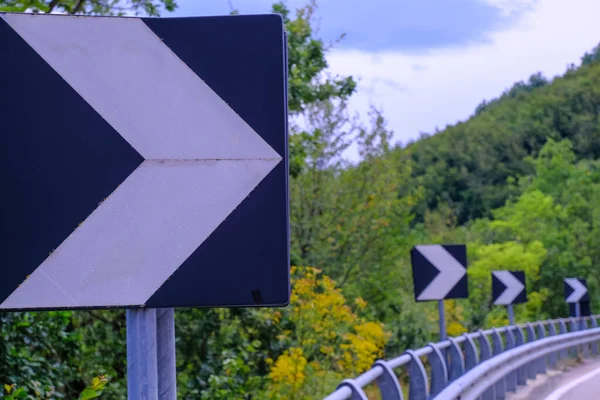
{"points": [[584, 387], [573, 381]]}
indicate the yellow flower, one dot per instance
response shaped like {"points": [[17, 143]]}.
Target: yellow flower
{"points": [[360, 303], [328, 339], [289, 367]]}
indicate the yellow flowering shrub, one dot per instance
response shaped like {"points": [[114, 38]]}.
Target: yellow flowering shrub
{"points": [[289, 368], [326, 339], [453, 312], [363, 347]]}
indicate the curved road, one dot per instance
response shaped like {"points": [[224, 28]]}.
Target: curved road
{"points": [[584, 387], [575, 381]]}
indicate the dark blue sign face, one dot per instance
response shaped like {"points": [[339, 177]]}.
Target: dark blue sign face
{"points": [[439, 272], [508, 287], [145, 162], [576, 290]]}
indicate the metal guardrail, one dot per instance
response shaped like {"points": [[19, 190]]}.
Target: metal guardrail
{"points": [[483, 380], [484, 364]]}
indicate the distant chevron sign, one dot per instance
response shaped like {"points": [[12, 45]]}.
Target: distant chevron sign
{"points": [[508, 287], [145, 162], [576, 290], [439, 272]]}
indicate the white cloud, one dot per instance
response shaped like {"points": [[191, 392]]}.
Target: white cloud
{"points": [[510, 7], [444, 86]]}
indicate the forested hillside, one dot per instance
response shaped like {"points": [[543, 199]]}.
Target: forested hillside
{"points": [[467, 165], [519, 183]]}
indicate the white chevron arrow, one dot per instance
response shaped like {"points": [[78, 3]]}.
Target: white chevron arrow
{"points": [[201, 161], [579, 290], [451, 272], [514, 287]]}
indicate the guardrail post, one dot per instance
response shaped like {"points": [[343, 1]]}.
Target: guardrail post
{"points": [[418, 386], [531, 367], [475, 384], [471, 357], [521, 371], [511, 378], [562, 329], [594, 344], [388, 384], [541, 362], [498, 348], [357, 392], [457, 361], [574, 327], [584, 347], [485, 354], [485, 351], [439, 370], [552, 357]]}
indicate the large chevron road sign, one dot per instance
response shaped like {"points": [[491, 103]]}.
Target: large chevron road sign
{"points": [[576, 290], [508, 287], [144, 162], [439, 272]]}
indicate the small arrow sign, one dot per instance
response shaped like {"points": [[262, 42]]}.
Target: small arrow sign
{"points": [[508, 287], [154, 173], [439, 272], [576, 290]]}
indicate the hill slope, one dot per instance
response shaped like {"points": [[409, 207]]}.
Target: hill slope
{"points": [[466, 166]]}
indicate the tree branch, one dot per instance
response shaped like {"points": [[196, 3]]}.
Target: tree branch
{"points": [[78, 6], [100, 318], [52, 5]]}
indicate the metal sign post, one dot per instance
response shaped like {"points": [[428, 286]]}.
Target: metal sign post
{"points": [[165, 354], [142, 371], [443, 334], [511, 314]]}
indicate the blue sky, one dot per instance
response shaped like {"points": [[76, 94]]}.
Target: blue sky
{"points": [[429, 63], [375, 25]]}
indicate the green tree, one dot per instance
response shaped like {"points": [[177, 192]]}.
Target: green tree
{"points": [[90, 7], [466, 166], [557, 212], [308, 80], [503, 256], [592, 57]]}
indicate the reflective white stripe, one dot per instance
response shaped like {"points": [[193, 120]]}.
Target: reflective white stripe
{"points": [[578, 290], [140, 87], [451, 271], [558, 393], [139, 236], [513, 287]]}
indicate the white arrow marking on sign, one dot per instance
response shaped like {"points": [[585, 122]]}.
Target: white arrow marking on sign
{"points": [[579, 290], [140, 87], [202, 160], [514, 287], [451, 272]]}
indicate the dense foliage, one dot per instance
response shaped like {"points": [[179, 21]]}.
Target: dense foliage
{"points": [[518, 182], [466, 166], [90, 7]]}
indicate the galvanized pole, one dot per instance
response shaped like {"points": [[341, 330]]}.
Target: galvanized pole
{"points": [[142, 379], [511, 314], [577, 310], [442, 320], [165, 342], [151, 371]]}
